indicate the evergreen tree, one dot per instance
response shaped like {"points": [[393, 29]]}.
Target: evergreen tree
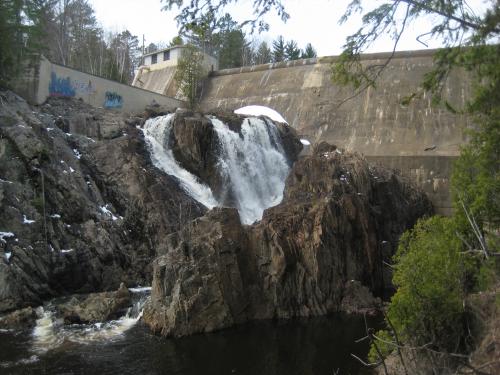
{"points": [[20, 36], [232, 47], [309, 52], [279, 49], [263, 54], [292, 51]]}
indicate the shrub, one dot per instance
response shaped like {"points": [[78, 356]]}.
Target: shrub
{"points": [[430, 275]]}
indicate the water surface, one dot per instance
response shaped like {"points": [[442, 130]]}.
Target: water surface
{"points": [[297, 347]]}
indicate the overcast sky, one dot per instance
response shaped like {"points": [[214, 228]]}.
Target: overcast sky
{"points": [[311, 21]]}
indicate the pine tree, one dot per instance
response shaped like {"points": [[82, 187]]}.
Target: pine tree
{"points": [[232, 49], [292, 51], [279, 49], [263, 54], [20, 36], [309, 52]]}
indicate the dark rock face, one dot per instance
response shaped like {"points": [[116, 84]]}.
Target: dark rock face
{"points": [[339, 220], [85, 215]]}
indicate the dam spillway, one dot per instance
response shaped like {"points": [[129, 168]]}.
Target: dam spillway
{"points": [[419, 139]]}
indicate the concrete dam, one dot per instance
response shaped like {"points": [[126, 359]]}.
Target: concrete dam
{"points": [[419, 139]]}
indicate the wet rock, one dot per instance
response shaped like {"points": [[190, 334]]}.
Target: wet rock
{"points": [[336, 222], [357, 298], [19, 319], [95, 307]]}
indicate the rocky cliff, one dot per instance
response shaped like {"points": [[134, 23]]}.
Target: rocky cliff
{"points": [[312, 254], [82, 207]]}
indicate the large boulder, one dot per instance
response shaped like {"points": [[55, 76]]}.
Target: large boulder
{"points": [[317, 252], [95, 307]]}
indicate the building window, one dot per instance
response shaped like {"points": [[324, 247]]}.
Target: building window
{"points": [[166, 55], [154, 58]]}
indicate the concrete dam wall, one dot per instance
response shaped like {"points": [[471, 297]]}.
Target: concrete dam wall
{"points": [[419, 139]]}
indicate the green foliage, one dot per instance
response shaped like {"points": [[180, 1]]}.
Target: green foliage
{"points": [[279, 49], [476, 174], [292, 51], [309, 52], [430, 274], [20, 35], [264, 54], [384, 347], [231, 52], [65, 31], [463, 33], [189, 74], [487, 275], [195, 11], [176, 41]]}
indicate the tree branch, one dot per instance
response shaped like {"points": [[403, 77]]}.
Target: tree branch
{"points": [[462, 21]]}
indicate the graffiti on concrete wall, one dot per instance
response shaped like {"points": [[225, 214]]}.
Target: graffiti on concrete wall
{"points": [[70, 87], [84, 88], [66, 87], [60, 86], [113, 100]]}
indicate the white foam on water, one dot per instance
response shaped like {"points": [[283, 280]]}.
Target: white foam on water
{"points": [[23, 361], [44, 333], [50, 333], [140, 289], [253, 164], [157, 134]]}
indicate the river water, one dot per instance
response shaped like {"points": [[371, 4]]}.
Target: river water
{"points": [[295, 347]]}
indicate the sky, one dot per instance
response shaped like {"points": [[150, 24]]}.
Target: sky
{"points": [[311, 21]]}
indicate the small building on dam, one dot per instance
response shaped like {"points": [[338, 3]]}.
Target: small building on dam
{"points": [[158, 70]]}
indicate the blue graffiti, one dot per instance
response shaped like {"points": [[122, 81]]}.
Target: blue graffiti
{"points": [[113, 100], [60, 86]]}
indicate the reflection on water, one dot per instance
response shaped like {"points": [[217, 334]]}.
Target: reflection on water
{"points": [[297, 347]]}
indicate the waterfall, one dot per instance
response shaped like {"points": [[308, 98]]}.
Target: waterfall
{"points": [[251, 162], [157, 134]]}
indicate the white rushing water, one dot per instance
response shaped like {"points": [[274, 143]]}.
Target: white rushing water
{"points": [[252, 164], [157, 133], [50, 333]]}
